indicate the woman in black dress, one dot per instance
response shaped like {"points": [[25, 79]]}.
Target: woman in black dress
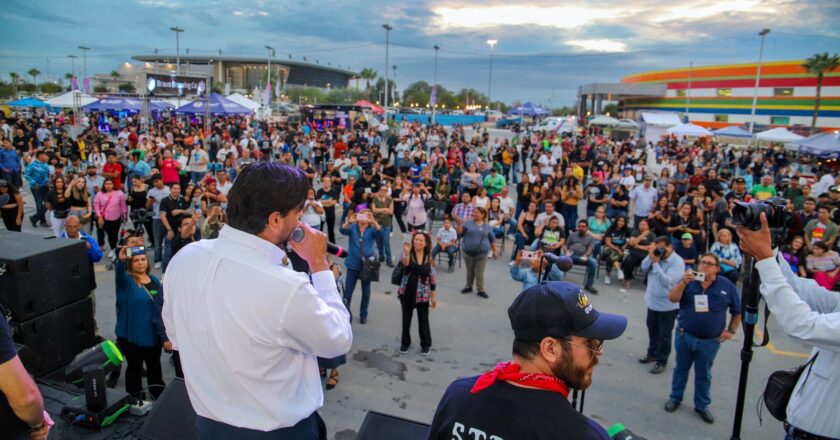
{"points": [[11, 206], [417, 290]]}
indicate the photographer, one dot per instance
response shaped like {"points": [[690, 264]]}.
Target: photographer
{"points": [[811, 314], [664, 269]]}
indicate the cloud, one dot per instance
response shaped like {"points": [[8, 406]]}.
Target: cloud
{"points": [[598, 45], [478, 17]]}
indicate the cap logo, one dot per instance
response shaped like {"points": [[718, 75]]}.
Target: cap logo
{"points": [[583, 302]]}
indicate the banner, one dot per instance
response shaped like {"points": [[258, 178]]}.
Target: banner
{"points": [[267, 95], [74, 83], [178, 85], [86, 85], [227, 89], [434, 96]]}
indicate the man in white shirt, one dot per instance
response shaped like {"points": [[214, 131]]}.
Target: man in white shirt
{"points": [[446, 239], [248, 328], [508, 206], [644, 199], [546, 164]]}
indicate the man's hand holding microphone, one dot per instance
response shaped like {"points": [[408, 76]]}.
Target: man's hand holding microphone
{"points": [[312, 248]]}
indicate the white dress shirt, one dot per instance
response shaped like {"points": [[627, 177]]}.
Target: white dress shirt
{"points": [[249, 329], [810, 313]]}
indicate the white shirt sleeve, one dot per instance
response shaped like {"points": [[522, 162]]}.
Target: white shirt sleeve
{"points": [[805, 310], [316, 320]]}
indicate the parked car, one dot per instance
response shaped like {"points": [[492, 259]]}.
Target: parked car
{"points": [[508, 122], [556, 124]]}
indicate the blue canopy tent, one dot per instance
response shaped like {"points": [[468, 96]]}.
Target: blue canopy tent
{"points": [[125, 104], [529, 109], [219, 105], [28, 102], [732, 131], [825, 145]]}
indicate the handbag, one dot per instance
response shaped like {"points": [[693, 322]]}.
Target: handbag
{"points": [[397, 274], [370, 269], [61, 214], [780, 386]]}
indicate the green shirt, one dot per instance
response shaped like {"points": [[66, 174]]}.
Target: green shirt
{"points": [[762, 192], [494, 185], [384, 220]]}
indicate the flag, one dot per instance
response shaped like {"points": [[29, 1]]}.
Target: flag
{"points": [[74, 83], [267, 95], [256, 94], [434, 96], [227, 89], [277, 89]]}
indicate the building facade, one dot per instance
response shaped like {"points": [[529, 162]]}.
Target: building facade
{"points": [[720, 96]]}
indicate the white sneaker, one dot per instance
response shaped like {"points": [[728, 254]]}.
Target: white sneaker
{"points": [[621, 275], [157, 265], [607, 279], [111, 254]]}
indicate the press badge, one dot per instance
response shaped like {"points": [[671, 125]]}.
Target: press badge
{"points": [[701, 303]]}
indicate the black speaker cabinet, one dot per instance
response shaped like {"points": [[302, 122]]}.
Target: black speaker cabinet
{"points": [[58, 336], [40, 275], [172, 417], [378, 426]]}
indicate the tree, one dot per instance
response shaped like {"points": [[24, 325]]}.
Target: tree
{"points": [[306, 95], [218, 87], [344, 95], [50, 88], [820, 64], [33, 72], [115, 76], [68, 76], [378, 91], [367, 74], [419, 93], [15, 79], [127, 88], [100, 89], [611, 110]]}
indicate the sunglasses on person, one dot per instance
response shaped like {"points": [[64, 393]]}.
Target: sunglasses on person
{"points": [[595, 346]]}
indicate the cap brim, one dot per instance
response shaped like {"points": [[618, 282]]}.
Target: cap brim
{"points": [[607, 326]]}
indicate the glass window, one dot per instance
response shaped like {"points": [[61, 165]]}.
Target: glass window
{"points": [[780, 120], [783, 91], [680, 92], [721, 118], [724, 92]]}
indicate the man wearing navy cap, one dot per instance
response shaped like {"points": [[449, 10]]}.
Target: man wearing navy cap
{"points": [[558, 340]]}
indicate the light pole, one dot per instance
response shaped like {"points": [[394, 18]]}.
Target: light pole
{"points": [[73, 63], [434, 87], [492, 44], [270, 54], [84, 57], [762, 34], [177, 31], [388, 28]]}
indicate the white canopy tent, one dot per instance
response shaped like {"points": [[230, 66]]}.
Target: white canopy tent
{"points": [[778, 134], [604, 120], [65, 100], [656, 123], [242, 100], [689, 130]]}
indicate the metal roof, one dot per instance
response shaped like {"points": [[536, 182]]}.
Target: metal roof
{"points": [[619, 90], [202, 59]]}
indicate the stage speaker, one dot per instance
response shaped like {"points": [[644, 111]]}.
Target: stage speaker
{"points": [[40, 275], [378, 426], [172, 417], [57, 336]]}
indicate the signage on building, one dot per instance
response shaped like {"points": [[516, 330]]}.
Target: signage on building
{"points": [[177, 85]]}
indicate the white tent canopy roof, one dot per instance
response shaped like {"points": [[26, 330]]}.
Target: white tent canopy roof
{"points": [[242, 100], [661, 118], [604, 120], [689, 130], [778, 134], [66, 99]]}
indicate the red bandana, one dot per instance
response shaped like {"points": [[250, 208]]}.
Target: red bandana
{"points": [[508, 371]]}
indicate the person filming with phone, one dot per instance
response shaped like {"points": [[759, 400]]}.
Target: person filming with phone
{"points": [[248, 327], [811, 314]]}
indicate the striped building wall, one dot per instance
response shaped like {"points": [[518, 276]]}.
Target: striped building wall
{"points": [[722, 95]]}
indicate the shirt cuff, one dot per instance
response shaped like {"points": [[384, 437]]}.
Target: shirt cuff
{"points": [[324, 281], [769, 270]]}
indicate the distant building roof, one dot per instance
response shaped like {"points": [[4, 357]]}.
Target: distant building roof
{"points": [[202, 59], [620, 90]]}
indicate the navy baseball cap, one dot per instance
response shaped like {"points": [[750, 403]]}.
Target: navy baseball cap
{"points": [[559, 309]]}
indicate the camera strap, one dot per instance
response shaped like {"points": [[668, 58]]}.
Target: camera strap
{"points": [[765, 339]]}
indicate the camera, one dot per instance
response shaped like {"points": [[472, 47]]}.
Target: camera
{"points": [[749, 214], [659, 252], [136, 250], [139, 215]]}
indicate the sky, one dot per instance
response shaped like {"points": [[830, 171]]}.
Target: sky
{"points": [[544, 50]]}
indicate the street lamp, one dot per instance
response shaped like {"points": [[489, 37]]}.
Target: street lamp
{"points": [[762, 34], [270, 54], [73, 63], [388, 28], [177, 31], [84, 57], [434, 87], [492, 44]]}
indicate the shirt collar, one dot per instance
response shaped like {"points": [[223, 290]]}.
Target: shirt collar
{"points": [[265, 247]]}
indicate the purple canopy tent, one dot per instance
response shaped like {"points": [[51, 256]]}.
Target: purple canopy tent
{"points": [[529, 109], [125, 104], [219, 105]]}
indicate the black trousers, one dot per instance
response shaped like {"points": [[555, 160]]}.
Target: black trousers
{"points": [[112, 229], [330, 214], [630, 263], [310, 428], [409, 304], [399, 210], [136, 356], [660, 331]]}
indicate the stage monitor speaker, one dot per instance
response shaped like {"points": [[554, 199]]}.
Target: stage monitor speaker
{"points": [[58, 336], [172, 417], [378, 426], [39, 275]]}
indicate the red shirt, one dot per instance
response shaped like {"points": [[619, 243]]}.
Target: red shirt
{"points": [[114, 168], [169, 171], [339, 147]]}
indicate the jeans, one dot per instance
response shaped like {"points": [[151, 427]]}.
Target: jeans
{"points": [[196, 176], [591, 264], [701, 352], [310, 428], [13, 177], [39, 193], [350, 285], [167, 252], [408, 305], [330, 215], [570, 215], [660, 327], [383, 243], [451, 251], [159, 234], [614, 213]]}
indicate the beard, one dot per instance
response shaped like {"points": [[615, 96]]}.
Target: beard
{"points": [[575, 376]]}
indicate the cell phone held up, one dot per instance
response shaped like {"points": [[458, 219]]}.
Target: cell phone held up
{"points": [[362, 217], [529, 255], [698, 276], [135, 250]]}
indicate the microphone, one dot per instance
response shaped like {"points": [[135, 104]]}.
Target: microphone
{"points": [[332, 249], [562, 262]]}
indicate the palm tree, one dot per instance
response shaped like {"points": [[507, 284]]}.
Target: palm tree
{"points": [[115, 75], [33, 72], [367, 74], [15, 78], [820, 64]]}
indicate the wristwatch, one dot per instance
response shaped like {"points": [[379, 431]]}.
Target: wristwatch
{"points": [[730, 330]]}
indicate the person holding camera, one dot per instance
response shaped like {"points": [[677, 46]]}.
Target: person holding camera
{"points": [[809, 313], [214, 222], [703, 299], [361, 229], [664, 268]]}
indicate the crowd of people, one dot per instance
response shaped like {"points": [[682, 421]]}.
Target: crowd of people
{"points": [[628, 209]]}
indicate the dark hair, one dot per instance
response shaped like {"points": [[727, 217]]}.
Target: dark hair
{"points": [[526, 349], [261, 189], [664, 239], [822, 245]]}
